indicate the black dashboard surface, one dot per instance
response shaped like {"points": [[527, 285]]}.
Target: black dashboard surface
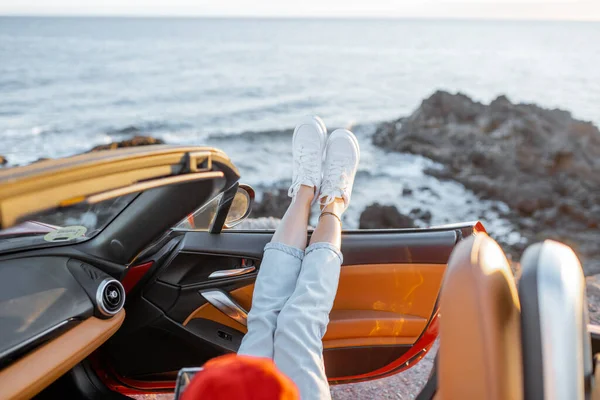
{"points": [[38, 298]]}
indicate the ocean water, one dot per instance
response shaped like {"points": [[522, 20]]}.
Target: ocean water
{"points": [[67, 84]]}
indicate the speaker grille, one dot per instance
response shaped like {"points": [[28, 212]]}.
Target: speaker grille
{"points": [[110, 297]]}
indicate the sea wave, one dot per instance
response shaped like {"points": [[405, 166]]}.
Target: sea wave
{"points": [[148, 128], [251, 135], [359, 129]]}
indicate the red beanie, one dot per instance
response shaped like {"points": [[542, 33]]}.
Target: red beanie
{"points": [[233, 377]]}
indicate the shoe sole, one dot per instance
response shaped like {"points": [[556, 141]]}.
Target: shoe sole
{"points": [[315, 122], [353, 139]]}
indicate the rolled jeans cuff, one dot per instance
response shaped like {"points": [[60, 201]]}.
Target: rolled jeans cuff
{"points": [[325, 246], [292, 251]]}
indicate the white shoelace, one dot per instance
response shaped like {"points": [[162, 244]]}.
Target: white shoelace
{"points": [[335, 183], [307, 168]]}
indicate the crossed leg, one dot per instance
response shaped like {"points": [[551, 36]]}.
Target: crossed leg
{"points": [[303, 320], [277, 277]]}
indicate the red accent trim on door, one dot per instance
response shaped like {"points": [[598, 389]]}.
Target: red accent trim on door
{"points": [[134, 274], [479, 228], [127, 386]]}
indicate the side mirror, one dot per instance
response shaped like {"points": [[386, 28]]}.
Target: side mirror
{"points": [[240, 206]]}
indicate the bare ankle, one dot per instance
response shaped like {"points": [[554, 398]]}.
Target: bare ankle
{"points": [[305, 194], [337, 207], [333, 215]]}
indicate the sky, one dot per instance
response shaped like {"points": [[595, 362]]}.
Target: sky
{"points": [[471, 9]]}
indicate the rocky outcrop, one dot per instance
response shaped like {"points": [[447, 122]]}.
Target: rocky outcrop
{"points": [[544, 164], [134, 141], [3, 161], [377, 216], [420, 214], [273, 204]]}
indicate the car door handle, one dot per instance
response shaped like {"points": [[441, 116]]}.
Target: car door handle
{"points": [[224, 303], [228, 273]]}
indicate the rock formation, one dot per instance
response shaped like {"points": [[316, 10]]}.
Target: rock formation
{"points": [[377, 216], [134, 141], [544, 164], [273, 204]]}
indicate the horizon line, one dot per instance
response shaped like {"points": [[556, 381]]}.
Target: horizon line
{"points": [[292, 17]]}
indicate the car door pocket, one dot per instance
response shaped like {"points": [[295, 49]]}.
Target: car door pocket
{"points": [[196, 268]]}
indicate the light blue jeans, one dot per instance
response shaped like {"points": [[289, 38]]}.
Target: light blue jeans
{"points": [[292, 299]]}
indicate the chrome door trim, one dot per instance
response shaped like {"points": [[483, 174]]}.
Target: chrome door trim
{"points": [[228, 273], [224, 303]]}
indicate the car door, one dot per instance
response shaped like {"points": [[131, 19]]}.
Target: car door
{"points": [[196, 287]]}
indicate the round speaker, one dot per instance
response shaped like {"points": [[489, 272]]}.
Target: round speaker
{"points": [[110, 297]]}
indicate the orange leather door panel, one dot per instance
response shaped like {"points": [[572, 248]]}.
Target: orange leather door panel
{"points": [[354, 328], [376, 305]]}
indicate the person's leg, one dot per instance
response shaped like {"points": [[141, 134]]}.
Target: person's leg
{"points": [[277, 276], [329, 227], [302, 323], [283, 256], [292, 228]]}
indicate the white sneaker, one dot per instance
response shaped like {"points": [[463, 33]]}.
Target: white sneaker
{"points": [[308, 144], [342, 154]]}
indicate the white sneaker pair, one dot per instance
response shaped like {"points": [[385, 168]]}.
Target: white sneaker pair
{"points": [[327, 164]]}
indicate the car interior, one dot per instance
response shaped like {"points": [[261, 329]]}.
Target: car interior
{"points": [[165, 282]]}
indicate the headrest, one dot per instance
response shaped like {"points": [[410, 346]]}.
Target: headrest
{"points": [[480, 337]]}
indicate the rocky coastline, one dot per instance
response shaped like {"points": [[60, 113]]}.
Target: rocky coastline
{"points": [[544, 164]]}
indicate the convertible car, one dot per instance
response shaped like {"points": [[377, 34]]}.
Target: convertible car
{"points": [[120, 268]]}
